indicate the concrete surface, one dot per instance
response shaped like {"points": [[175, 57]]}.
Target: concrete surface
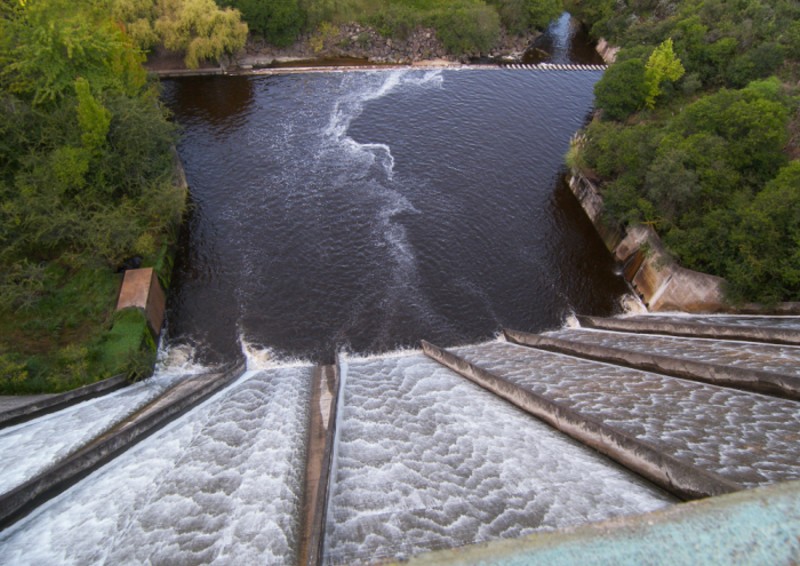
{"points": [[683, 480], [759, 526]]}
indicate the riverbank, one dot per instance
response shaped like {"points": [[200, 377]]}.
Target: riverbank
{"points": [[658, 280], [345, 47]]}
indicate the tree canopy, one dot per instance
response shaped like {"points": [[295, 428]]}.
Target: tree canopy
{"points": [[702, 141], [85, 179], [199, 29]]}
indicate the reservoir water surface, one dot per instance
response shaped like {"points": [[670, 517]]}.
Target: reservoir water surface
{"points": [[362, 211]]}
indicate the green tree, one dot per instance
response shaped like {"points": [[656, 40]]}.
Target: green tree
{"points": [[138, 16], [46, 44], [767, 239], [200, 29], [663, 65], [622, 90], [93, 118], [278, 21]]}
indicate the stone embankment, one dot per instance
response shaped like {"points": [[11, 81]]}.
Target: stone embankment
{"points": [[347, 45]]}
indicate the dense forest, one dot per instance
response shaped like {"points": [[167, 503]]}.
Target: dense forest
{"points": [[699, 134], [85, 183]]}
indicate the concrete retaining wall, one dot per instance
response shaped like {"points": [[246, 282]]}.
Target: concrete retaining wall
{"points": [[607, 51], [662, 284]]}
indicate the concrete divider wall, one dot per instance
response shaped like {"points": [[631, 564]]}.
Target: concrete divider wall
{"points": [[322, 430], [689, 329], [187, 394], [681, 479], [55, 403], [769, 383]]}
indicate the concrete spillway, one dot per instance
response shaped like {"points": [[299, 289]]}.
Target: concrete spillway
{"points": [[221, 484], [427, 460], [420, 459], [749, 438]]}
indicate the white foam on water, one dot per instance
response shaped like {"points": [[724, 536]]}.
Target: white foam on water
{"points": [[30, 448], [372, 86], [258, 357], [631, 305], [221, 484], [427, 460]]}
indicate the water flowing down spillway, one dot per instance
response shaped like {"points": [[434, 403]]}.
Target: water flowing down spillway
{"points": [[221, 484], [427, 460], [746, 437], [29, 448], [363, 211]]}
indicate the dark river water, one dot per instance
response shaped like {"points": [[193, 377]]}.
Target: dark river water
{"points": [[363, 211]]}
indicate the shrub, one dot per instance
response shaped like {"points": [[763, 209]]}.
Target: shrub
{"points": [[622, 90], [467, 26]]}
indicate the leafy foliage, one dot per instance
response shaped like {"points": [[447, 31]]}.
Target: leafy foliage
{"points": [[467, 26], [85, 181], [706, 154], [464, 26], [662, 66], [622, 90], [518, 16], [198, 28], [278, 21]]}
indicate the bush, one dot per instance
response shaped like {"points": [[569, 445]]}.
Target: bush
{"points": [[519, 16], [622, 90], [767, 240], [467, 26], [277, 21]]}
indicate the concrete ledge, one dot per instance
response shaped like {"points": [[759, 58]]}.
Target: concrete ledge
{"points": [[758, 381], [184, 396], [679, 478], [690, 329], [141, 289], [757, 526], [55, 403], [322, 429]]}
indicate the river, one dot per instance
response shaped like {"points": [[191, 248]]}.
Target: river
{"points": [[363, 211]]}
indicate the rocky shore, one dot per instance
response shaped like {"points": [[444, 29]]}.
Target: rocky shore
{"points": [[350, 44], [361, 42]]}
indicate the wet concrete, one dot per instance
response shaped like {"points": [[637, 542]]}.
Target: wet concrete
{"points": [[679, 478], [748, 438], [760, 526]]}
